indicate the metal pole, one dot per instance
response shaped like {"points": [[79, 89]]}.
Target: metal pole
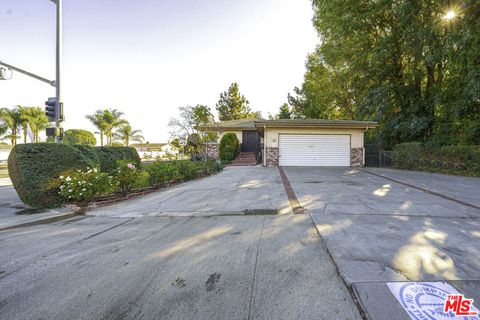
{"points": [[58, 122], [9, 66]]}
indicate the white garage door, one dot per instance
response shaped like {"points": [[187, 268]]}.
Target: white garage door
{"points": [[314, 150]]}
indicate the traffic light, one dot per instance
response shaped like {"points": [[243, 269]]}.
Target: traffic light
{"points": [[51, 109], [54, 110]]}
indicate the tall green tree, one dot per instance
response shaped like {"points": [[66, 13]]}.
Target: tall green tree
{"points": [[398, 62], [233, 105]]}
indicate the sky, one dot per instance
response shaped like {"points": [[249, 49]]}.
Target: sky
{"points": [[146, 58]]}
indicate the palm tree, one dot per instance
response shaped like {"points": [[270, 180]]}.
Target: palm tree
{"points": [[24, 116], [106, 121], [35, 118], [12, 120], [97, 120], [37, 121], [113, 119], [125, 134]]}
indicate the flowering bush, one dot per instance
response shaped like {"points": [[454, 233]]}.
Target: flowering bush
{"points": [[126, 175], [83, 186]]}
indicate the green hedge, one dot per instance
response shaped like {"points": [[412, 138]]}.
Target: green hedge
{"points": [[160, 173], [34, 168], [446, 159], [109, 155], [229, 147]]}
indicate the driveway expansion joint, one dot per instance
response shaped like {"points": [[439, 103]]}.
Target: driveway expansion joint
{"points": [[296, 207], [438, 194], [255, 271]]}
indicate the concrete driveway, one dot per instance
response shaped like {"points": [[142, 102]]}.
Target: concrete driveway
{"points": [[188, 252], [378, 230]]}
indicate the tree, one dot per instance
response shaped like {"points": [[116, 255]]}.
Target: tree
{"points": [[187, 129], [126, 134], [12, 120], [38, 121], [106, 121], [79, 136], [233, 105], [284, 112], [33, 118], [98, 122], [400, 63]]}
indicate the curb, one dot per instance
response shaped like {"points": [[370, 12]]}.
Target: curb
{"points": [[56, 218]]}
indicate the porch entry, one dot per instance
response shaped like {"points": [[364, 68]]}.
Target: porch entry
{"points": [[250, 141]]}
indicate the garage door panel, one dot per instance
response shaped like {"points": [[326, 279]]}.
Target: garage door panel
{"points": [[314, 150]]}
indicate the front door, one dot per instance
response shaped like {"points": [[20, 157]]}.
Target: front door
{"points": [[249, 141]]}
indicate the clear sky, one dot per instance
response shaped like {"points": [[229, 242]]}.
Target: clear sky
{"points": [[148, 57]]}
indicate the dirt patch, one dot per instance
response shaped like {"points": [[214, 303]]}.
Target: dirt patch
{"points": [[212, 281]]}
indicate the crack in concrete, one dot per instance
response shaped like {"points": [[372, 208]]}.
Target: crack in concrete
{"points": [[255, 272]]}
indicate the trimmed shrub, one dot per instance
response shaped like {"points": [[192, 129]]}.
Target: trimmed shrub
{"points": [[126, 175], [79, 136], [161, 173], [229, 147], [109, 156], [35, 168], [446, 159]]}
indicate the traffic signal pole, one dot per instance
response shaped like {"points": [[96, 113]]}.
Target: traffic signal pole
{"points": [[54, 109], [59, 114]]}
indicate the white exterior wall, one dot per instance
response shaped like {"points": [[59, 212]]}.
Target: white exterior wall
{"points": [[272, 134]]}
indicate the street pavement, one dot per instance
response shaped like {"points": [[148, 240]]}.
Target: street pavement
{"points": [[379, 231], [187, 252]]}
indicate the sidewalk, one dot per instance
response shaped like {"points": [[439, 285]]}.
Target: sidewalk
{"points": [[14, 214]]}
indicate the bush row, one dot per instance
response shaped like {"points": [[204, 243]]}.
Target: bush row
{"points": [[34, 168], [447, 159], [160, 173]]}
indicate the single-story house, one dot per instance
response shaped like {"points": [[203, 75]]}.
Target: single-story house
{"points": [[297, 142], [153, 150]]}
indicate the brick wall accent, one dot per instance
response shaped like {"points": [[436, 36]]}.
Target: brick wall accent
{"points": [[213, 151], [272, 156], [356, 157]]}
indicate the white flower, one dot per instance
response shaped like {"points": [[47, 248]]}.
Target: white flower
{"points": [[61, 187], [69, 190], [130, 166], [61, 177], [84, 189], [68, 179]]}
